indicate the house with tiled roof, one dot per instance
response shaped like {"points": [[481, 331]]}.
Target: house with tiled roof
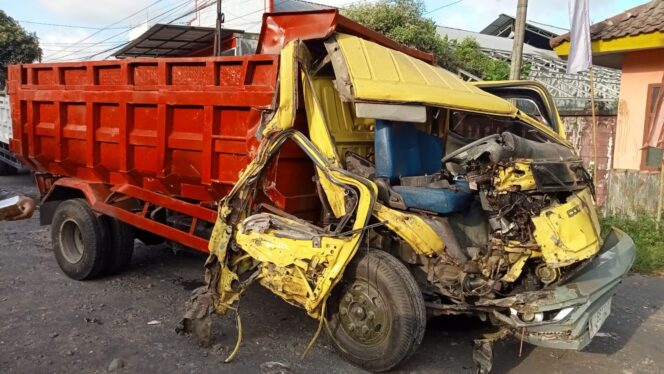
{"points": [[632, 41]]}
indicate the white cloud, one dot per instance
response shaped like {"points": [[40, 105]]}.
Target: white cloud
{"points": [[96, 12], [476, 14], [128, 16], [65, 45], [468, 14]]}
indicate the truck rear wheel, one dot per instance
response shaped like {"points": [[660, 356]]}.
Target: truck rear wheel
{"points": [[120, 245], [6, 169], [378, 317], [78, 240]]}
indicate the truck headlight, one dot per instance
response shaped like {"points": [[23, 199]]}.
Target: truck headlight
{"points": [[527, 317], [555, 316], [562, 314]]}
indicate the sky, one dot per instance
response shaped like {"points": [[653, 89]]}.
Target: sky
{"points": [[125, 19]]}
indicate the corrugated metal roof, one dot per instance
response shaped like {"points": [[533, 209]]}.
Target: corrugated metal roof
{"points": [[505, 20], [555, 30], [643, 19], [171, 41], [297, 5], [491, 41]]}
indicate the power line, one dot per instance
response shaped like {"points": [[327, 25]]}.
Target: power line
{"points": [[105, 41], [117, 22], [55, 44], [443, 6], [162, 15], [72, 26], [180, 5]]}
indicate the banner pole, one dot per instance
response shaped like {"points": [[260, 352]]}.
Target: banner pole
{"points": [[661, 193], [594, 120]]}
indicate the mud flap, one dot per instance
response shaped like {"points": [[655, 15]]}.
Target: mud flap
{"points": [[483, 350]]}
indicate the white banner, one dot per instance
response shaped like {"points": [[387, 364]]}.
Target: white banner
{"points": [[580, 52]]}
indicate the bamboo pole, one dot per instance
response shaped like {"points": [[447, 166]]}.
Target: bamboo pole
{"points": [[594, 120], [661, 193]]}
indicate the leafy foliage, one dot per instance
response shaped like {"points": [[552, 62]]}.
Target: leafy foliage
{"points": [[404, 22], [649, 241], [16, 45]]}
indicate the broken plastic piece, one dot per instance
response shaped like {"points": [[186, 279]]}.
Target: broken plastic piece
{"points": [[483, 350]]}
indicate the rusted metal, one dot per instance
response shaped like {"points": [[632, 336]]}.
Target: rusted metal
{"points": [[182, 127], [632, 192], [165, 131], [280, 28], [158, 130]]}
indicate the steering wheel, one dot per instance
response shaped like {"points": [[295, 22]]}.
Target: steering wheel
{"points": [[452, 156]]}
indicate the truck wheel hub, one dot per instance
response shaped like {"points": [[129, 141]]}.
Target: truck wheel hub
{"points": [[71, 241], [364, 315]]}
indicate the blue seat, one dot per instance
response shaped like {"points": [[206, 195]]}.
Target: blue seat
{"points": [[403, 151]]}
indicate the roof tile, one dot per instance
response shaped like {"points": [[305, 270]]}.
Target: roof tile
{"points": [[643, 19]]}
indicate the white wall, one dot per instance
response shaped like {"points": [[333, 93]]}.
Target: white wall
{"points": [[5, 119], [245, 15]]}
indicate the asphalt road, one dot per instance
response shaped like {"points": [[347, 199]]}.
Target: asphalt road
{"points": [[52, 324]]}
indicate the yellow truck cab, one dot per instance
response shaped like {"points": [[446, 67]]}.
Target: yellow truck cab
{"points": [[437, 196]]}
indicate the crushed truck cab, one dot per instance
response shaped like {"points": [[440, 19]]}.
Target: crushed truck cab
{"points": [[487, 208], [348, 174]]}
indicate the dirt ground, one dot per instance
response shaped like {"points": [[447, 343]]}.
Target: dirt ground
{"points": [[125, 323]]}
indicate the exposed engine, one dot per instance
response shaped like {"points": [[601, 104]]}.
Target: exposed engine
{"points": [[528, 193]]}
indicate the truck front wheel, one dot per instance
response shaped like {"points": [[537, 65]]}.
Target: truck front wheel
{"points": [[377, 315], [78, 240]]}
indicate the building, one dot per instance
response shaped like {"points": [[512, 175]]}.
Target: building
{"points": [[571, 92], [239, 35], [632, 41], [246, 15], [536, 34]]}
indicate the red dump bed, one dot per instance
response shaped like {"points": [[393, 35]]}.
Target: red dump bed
{"points": [[165, 132], [182, 127]]}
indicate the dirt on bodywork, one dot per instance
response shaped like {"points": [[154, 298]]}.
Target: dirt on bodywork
{"points": [[53, 324], [487, 230]]}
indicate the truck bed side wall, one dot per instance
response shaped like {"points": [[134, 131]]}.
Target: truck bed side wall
{"points": [[182, 127]]}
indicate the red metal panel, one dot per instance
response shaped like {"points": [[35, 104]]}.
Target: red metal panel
{"points": [[97, 195], [165, 130], [183, 127], [280, 28]]}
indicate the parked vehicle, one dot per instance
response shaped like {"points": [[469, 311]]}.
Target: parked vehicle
{"points": [[8, 163], [346, 173]]}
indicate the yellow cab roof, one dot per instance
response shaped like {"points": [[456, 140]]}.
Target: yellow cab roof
{"points": [[382, 74]]}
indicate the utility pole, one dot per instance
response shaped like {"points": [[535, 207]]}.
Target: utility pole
{"points": [[517, 46], [217, 31]]}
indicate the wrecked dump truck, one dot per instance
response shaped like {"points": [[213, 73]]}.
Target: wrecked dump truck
{"points": [[346, 173]]}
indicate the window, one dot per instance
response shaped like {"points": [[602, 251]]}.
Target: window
{"points": [[651, 158]]}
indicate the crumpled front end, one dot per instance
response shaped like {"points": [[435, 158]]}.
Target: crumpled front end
{"points": [[568, 316]]}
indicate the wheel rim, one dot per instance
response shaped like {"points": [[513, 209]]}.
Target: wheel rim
{"points": [[364, 315], [71, 241]]}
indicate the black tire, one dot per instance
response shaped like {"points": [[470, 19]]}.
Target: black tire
{"points": [[79, 240], [377, 312], [120, 245], [6, 169]]}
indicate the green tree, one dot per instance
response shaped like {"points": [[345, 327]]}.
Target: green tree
{"points": [[404, 22], [17, 46]]}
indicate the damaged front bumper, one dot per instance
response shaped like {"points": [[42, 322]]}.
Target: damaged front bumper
{"points": [[569, 315]]}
